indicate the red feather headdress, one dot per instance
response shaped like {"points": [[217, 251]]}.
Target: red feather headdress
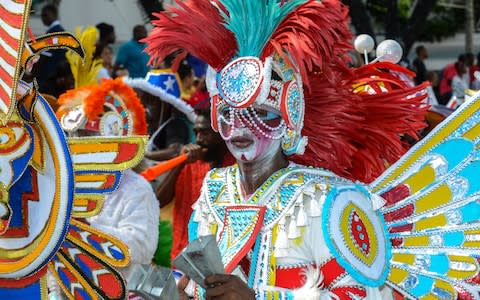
{"points": [[354, 118]]}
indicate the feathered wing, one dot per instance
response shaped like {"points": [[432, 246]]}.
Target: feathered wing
{"points": [[98, 163], [84, 265], [433, 210]]}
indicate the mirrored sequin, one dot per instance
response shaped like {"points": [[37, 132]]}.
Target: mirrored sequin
{"points": [[462, 266], [454, 217], [436, 240], [459, 186], [439, 164], [410, 282], [422, 261], [441, 294]]}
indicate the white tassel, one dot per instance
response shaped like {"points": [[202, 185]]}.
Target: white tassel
{"points": [[290, 212], [211, 218], [281, 243], [310, 190], [198, 216], [293, 231], [315, 209], [203, 229], [195, 206], [301, 216]]}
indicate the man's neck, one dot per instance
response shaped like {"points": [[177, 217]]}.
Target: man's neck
{"points": [[217, 158], [54, 23], [254, 174]]}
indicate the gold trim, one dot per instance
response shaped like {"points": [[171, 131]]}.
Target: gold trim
{"points": [[5, 117], [81, 214], [135, 160], [30, 253]]}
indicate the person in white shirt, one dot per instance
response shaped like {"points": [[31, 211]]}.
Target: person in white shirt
{"points": [[130, 213]]}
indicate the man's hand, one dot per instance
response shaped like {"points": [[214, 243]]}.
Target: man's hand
{"points": [[194, 152], [228, 287], [181, 286]]}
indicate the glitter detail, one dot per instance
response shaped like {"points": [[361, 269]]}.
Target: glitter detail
{"points": [[439, 164], [459, 186], [436, 240], [463, 266], [422, 261], [441, 294], [240, 81], [410, 282], [454, 217]]}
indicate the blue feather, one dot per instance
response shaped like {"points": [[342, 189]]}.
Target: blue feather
{"points": [[253, 22]]}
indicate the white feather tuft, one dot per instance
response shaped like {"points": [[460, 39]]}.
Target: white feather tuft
{"points": [[312, 289]]}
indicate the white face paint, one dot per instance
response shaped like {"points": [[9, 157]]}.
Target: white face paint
{"points": [[247, 147]]}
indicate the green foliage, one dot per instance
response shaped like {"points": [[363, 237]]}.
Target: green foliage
{"points": [[442, 22]]}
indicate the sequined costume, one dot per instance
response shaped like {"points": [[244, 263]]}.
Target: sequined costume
{"points": [[48, 182], [345, 233]]}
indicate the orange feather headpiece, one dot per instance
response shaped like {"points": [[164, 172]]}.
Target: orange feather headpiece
{"points": [[111, 108]]}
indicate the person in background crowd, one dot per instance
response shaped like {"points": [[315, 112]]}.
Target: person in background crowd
{"points": [[470, 63], [105, 52], [131, 212], [131, 56], [46, 66], [476, 74], [185, 181], [475, 85], [187, 77], [445, 88], [198, 66], [432, 77], [107, 33], [419, 64], [59, 82], [459, 85]]}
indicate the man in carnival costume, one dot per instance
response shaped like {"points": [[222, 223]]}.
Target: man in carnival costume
{"points": [[277, 76], [48, 183], [112, 109], [131, 213]]}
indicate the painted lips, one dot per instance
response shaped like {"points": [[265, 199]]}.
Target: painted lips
{"points": [[241, 142]]}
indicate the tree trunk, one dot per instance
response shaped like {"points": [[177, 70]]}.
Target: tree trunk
{"points": [[416, 22], [469, 25], [392, 20], [361, 21]]}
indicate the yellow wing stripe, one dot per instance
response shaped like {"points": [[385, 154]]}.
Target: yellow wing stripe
{"points": [[436, 198], [420, 179], [93, 148], [397, 275], [434, 140], [473, 133]]}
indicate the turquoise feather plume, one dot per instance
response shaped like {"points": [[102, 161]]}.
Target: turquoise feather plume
{"points": [[254, 21]]}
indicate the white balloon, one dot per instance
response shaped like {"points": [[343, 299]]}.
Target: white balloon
{"points": [[390, 51], [363, 43]]}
